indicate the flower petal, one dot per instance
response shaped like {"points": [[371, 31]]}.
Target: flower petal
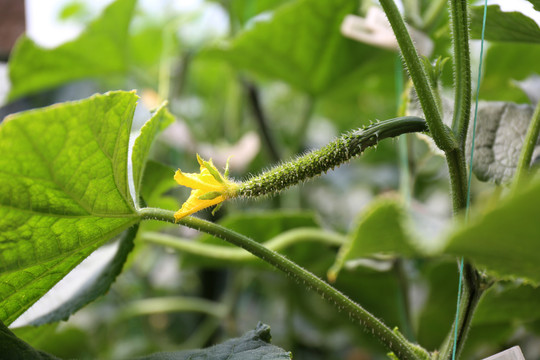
{"points": [[197, 181], [194, 204]]}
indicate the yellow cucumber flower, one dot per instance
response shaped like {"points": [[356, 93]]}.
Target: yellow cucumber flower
{"points": [[209, 188]]}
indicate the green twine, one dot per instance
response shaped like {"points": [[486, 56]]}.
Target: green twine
{"points": [[460, 285]]}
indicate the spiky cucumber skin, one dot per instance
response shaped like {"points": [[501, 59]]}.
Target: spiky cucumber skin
{"points": [[334, 154]]}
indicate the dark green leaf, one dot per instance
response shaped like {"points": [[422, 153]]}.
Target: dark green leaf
{"points": [[64, 192], [12, 347], [300, 44], [102, 49], [254, 344], [505, 239], [504, 26]]}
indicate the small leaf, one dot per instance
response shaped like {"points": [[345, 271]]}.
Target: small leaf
{"points": [[100, 50], [504, 26], [254, 344], [157, 123]]}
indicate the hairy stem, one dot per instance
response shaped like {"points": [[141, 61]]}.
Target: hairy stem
{"points": [[462, 70], [217, 252], [524, 163], [442, 135], [392, 339], [458, 179], [334, 154]]}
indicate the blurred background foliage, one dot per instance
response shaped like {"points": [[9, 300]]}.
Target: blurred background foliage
{"points": [[263, 81]]}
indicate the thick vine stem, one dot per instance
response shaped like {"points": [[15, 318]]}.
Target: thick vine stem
{"points": [[392, 339], [334, 154], [462, 69], [442, 135]]}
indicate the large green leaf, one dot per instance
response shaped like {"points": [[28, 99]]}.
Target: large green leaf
{"points": [[63, 192], [254, 344], [102, 49], [506, 239], [504, 26], [300, 44]]}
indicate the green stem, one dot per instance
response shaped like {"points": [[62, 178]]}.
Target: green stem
{"points": [[334, 154], [237, 255], [458, 179], [173, 304], [524, 163], [442, 136], [392, 339], [472, 292], [262, 121], [462, 70]]}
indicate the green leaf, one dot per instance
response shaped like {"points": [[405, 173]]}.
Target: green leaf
{"points": [[508, 303], [244, 10], [382, 229], [254, 344], [501, 70], [536, 4], [504, 26], [157, 123], [12, 347], [505, 239], [300, 44], [102, 49], [63, 192]]}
